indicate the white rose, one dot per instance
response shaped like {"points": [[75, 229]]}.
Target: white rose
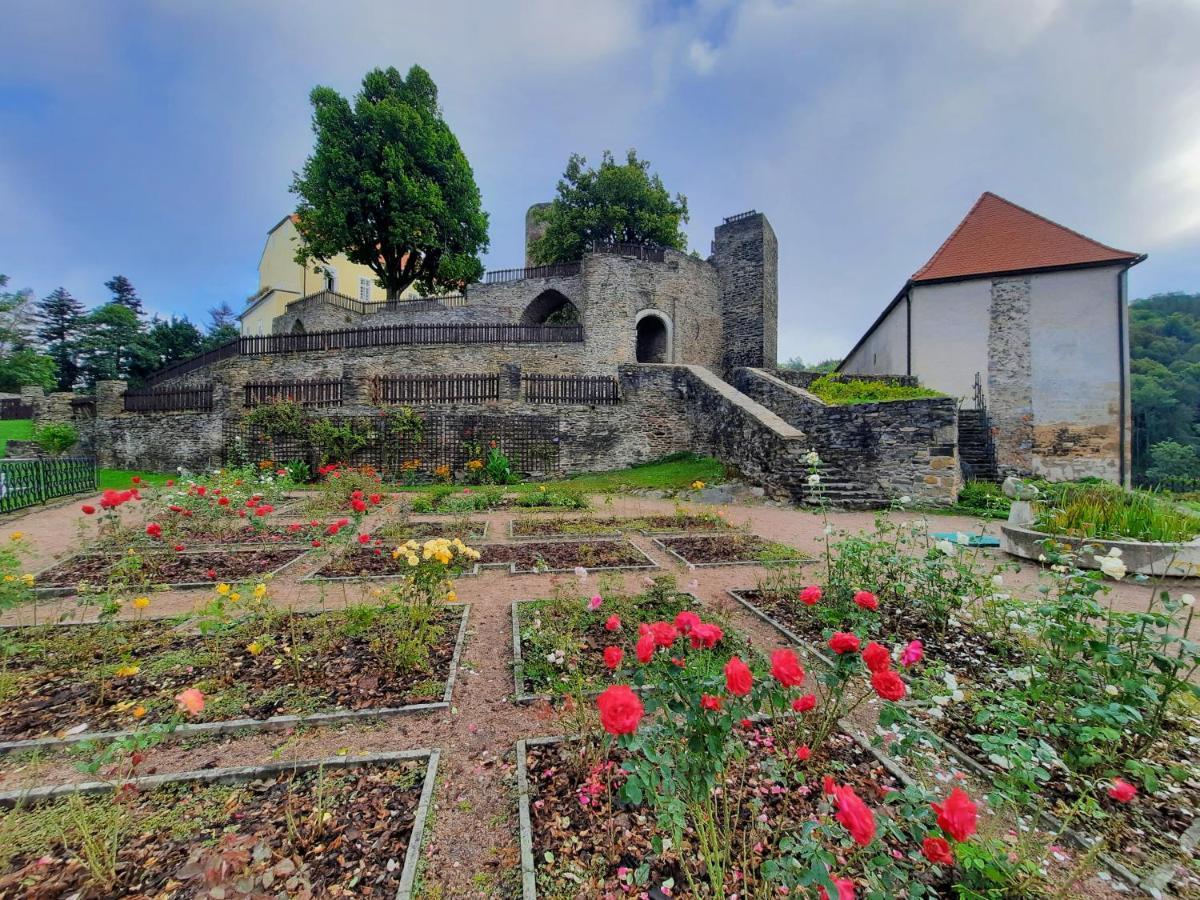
{"points": [[905, 500], [1111, 566], [997, 580], [1114, 551], [946, 547], [1112, 690], [814, 479], [811, 458], [1188, 600]]}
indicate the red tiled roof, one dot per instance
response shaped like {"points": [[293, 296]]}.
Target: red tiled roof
{"points": [[999, 236]]}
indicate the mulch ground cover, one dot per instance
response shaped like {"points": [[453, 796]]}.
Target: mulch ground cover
{"points": [[118, 675], [169, 567], [580, 847], [981, 663], [614, 524], [228, 533], [529, 557], [326, 833], [715, 550], [562, 641], [398, 532]]}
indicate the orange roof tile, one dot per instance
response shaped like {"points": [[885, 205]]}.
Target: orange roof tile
{"points": [[998, 236]]}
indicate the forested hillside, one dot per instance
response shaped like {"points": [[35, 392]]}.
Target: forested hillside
{"points": [[1164, 337]]}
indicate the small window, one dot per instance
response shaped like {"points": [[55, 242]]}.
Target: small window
{"points": [[330, 279], [364, 290]]}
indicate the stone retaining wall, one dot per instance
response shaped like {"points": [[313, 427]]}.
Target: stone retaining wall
{"points": [[797, 378]]}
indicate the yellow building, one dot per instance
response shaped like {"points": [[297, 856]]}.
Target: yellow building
{"points": [[282, 280]]}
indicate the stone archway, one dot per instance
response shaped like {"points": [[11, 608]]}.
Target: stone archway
{"points": [[653, 336], [298, 327], [550, 307]]}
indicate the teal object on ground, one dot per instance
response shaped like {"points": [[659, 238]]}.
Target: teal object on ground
{"points": [[968, 540]]}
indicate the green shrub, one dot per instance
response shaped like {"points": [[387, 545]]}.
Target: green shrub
{"points": [[56, 439], [983, 498], [280, 418], [839, 390]]}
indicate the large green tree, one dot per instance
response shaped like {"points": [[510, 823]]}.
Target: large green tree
{"points": [[222, 326], [388, 186], [58, 316], [166, 341], [110, 342], [123, 292], [616, 203]]}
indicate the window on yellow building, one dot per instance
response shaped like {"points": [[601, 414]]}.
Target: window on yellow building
{"points": [[364, 290], [330, 278]]}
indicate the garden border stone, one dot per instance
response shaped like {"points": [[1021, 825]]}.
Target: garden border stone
{"points": [[1080, 840], [1139, 557], [237, 774], [801, 560], [273, 723], [64, 591]]}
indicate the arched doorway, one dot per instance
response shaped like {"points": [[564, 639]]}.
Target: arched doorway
{"points": [[550, 307], [298, 327], [653, 338]]}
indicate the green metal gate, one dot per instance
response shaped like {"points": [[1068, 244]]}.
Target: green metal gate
{"points": [[28, 482]]}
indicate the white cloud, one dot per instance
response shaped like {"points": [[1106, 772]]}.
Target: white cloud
{"points": [[702, 56]]}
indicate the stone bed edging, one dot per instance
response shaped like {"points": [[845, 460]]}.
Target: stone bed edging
{"points": [[273, 723], [237, 774], [1140, 557], [1077, 838], [528, 865], [801, 560], [67, 591]]}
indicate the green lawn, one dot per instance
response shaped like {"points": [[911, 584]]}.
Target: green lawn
{"points": [[675, 472], [120, 479], [14, 430]]}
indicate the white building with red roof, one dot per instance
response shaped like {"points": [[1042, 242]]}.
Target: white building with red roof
{"points": [[1027, 321]]}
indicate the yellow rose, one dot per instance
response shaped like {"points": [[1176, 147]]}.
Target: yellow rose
{"points": [[452, 597], [412, 560], [16, 535], [235, 597], [28, 579], [223, 589], [139, 711], [260, 591], [127, 671], [141, 602], [10, 577], [254, 648], [697, 485]]}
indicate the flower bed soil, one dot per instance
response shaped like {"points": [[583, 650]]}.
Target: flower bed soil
{"points": [[577, 849], [549, 556], [398, 532], [1152, 825], [69, 682], [541, 627], [331, 831], [523, 527], [725, 550], [170, 568], [297, 533]]}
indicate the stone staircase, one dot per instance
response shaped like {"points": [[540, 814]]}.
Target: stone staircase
{"points": [[843, 490], [976, 452]]}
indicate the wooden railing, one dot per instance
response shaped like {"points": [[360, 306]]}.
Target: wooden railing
{"points": [[390, 335], [647, 252], [554, 270], [15, 409], [740, 216], [447, 300], [311, 392], [225, 351], [596, 390], [172, 399], [412, 390], [341, 301]]}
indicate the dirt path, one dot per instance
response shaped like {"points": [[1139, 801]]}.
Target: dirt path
{"points": [[471, 848]]}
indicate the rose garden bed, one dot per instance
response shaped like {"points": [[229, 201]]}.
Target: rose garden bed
{"points": [[269, 669], [730, 550], [615, 525], [523, 558], [344, 826], [186, 569], [559, 642], [423, 529]]}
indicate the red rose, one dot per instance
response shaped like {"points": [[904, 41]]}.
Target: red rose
{"points": [[88, 509], [316, 543], [645, 647], [241, 513], [342, 523], [738, 679], [866, 600], [359, 506], [856, 817], [705, 635], [786, 669], [888, 685], [170, 482], [314, 523], [154, 530], [202, 490], [211, 574], [262, 511], [179, 548], [356, 494], [844, 642], [1122, 791], [251, 503], [376, 499], [803, 753], [613, 623], [937, 851], [810, 595], [845, 889], [223, 501], [876, 657], [956, 816], [805, 703], [686, 621], [620, 709], [665, 634], [828, 786], [613, 656], [364, 539], [710, 702], [332, 530]]}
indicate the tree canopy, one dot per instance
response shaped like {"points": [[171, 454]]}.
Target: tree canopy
{"points": [[1164, 339], [388, 185], [616, 203]]}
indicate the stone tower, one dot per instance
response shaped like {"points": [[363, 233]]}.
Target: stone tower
{"points": [[533, 228], [746, 255]]}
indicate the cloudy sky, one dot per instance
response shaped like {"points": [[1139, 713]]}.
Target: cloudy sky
{"points": [[158, 139]]}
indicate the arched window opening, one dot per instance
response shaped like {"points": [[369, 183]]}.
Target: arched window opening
{"points": [[550, 307]]}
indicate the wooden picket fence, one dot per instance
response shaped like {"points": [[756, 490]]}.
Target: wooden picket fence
{"points": [[593, 390], [411, 390], [15, 409], [315, 392], [172, 399]]}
